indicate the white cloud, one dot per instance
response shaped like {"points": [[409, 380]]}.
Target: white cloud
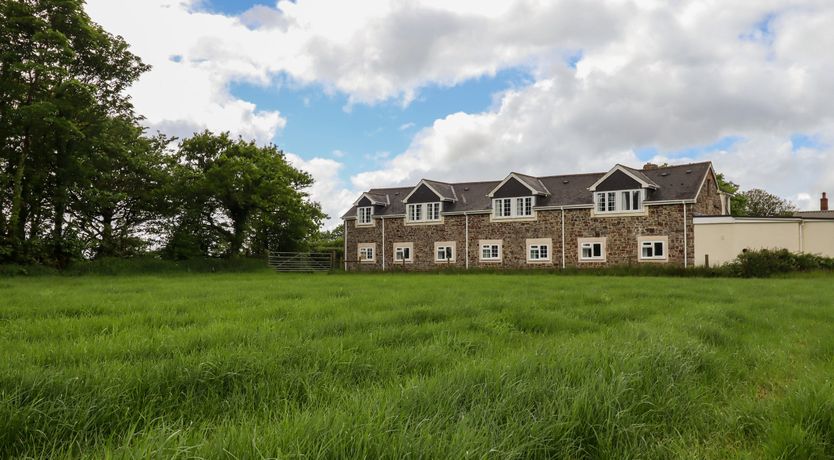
{"points": [[328, 188], [652, 73]]}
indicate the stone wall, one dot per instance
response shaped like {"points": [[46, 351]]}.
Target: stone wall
{"points": [[709, 200], [621, 233]]}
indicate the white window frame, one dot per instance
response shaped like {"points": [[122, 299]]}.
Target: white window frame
{"points": [[536, 244], [513, 207], [653, 241], [447, 246], [492, 244], [613, 202], [423, 212], [364, 215], [399, 248], [583, 243], [364, 247]]}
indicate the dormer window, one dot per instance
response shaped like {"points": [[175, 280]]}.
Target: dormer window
{"points": [[423, 212], [619, 201], [364, 215], [505, 208]]}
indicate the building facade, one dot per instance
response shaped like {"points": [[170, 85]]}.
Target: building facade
{"points": [[620, 217]]}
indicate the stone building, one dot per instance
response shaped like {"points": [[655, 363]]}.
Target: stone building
{"points": [[620, 217]]}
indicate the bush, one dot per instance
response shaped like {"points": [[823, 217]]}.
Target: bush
{"points": [[147, 265], [764, 263]]}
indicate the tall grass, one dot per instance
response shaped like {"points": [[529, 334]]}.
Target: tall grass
{"points": [[387, 366]]}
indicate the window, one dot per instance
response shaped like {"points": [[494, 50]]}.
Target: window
{"points": [[367, 252], [653, 248], [415, 212], [628, 201], [513, 207], [403, 252], [423, 212], [490, 250], [592, 249], [444, 251], [539, 250], [364, 215], [432, 211]]}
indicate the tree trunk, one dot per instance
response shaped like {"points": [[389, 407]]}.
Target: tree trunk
{"points": [[239, 219], [59, 201], [107, 246]]}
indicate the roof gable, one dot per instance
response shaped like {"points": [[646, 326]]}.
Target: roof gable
{"points": [[533, 185], [371, 199], [637, 176], [424, 191]]}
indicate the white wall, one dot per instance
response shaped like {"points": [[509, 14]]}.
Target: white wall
{"points": [[723, 238]]}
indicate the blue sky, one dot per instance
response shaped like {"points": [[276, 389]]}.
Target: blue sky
{"points": [[319, 123], [733, 83]]}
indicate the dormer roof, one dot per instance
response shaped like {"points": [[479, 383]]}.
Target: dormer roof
{"points": [[534, 184], [375, 199], [670, 183], [635, 174], [444, 191]]}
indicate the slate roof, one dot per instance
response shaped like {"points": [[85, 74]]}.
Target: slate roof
{"points": [[639, 174], [679, 182], [533, 182], [815, 214], [446, 191]]}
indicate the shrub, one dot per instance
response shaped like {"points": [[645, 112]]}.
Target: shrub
{"points": [[764, 263]]}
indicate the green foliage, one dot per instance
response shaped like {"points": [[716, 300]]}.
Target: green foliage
{"points": [[234, 196], [760, 203], [79, 179], [386, 366], [738, 201], [61, 84], [768, 262]]}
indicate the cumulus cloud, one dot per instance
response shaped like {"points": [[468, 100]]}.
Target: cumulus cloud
{"points": [[608, 77], [673, 78], [328, 190]]}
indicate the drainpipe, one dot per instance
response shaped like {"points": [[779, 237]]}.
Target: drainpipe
{"points": [[563, 237], [345, 226], [685, 238], [383, 243], [801, 235], [466, 216]]}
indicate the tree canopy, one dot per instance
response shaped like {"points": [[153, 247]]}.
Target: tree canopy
{"points": [[79, 177]]}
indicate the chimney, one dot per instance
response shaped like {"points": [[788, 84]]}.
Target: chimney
{"points": [[824, 202], [649, 166]]}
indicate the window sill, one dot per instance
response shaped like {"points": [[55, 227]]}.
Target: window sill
{"points": [[513, 219], [584, 261], [642, 212], [653, 261], [539, 262], [358, 225], [445, 262], [422, 222], [403, 262], [367, 262]]}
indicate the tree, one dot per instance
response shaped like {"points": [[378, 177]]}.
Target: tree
{"points": [[62, 79], [236, 197], [763, 204]]}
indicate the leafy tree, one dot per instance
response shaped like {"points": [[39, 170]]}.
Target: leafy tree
{"points": [[764, 204], [236, 197], [62, 80]]}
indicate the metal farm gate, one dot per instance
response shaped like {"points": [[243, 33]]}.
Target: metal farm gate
{"points": [[302, 261]]}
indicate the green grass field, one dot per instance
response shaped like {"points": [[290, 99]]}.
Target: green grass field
{"points": [[459, 366]]}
